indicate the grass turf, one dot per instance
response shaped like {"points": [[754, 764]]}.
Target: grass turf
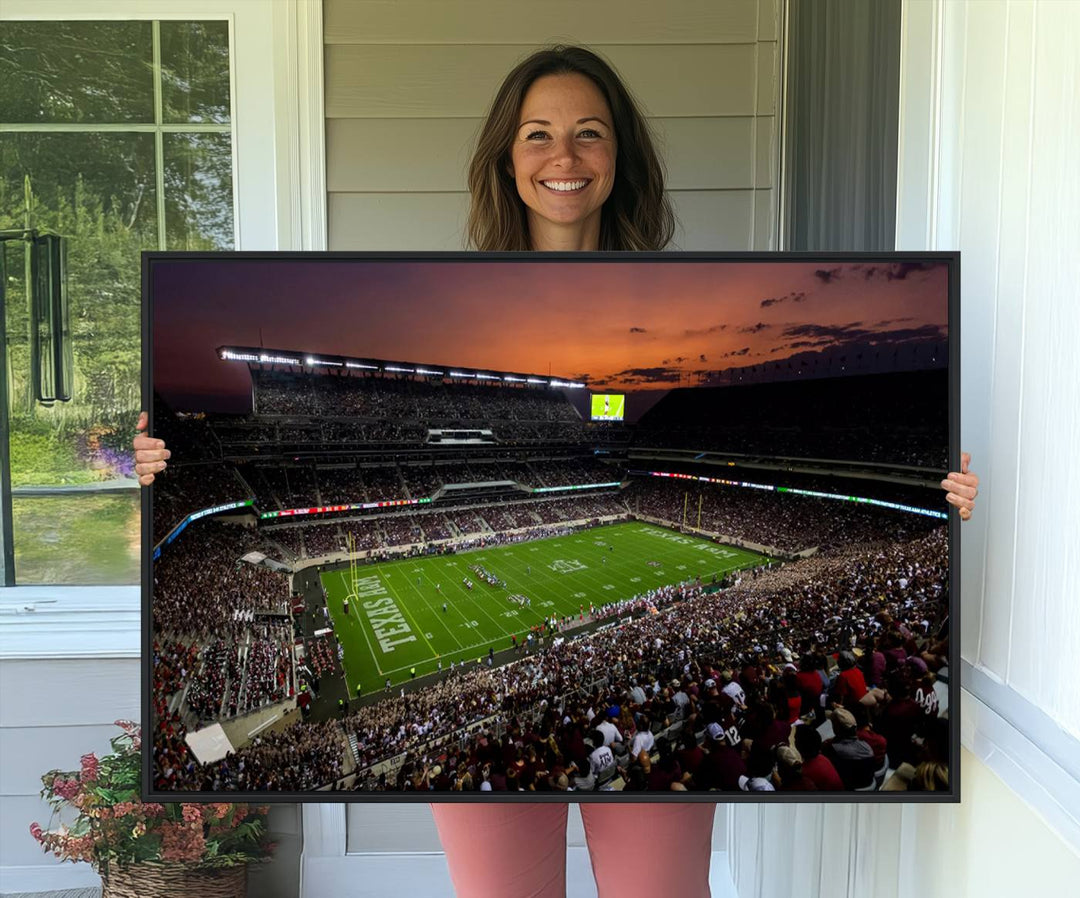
{"points": [[396, 619]]}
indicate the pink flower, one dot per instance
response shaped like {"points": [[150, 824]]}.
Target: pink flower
{"points": [[36, 832], [89, 768], [152, 809], [65, 788], [181, 842], [123, 808]]}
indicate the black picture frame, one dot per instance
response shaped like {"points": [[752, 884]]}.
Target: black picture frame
{"points": [[151, 262]]}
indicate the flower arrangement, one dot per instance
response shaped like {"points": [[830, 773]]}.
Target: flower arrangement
{"points": [[114, 828]]}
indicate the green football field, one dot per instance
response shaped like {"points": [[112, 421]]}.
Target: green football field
{"points": [[396, 618]]}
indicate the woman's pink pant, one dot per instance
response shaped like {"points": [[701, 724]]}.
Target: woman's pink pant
{"points": [[519, 850]]}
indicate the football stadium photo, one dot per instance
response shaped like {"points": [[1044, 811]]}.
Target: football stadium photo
{"points": [[560, 526]]}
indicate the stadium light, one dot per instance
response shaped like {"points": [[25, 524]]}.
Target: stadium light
{"points": [[400, 370], [536, 380], [432, 373], [358, 365]]}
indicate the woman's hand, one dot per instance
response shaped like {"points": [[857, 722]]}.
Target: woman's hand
{"points": [[150, 453], [962, 487]]}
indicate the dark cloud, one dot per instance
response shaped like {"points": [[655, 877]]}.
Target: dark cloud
{"points": [[638, 330], [736, 352], [819, 336], [900, 270], [825, 275], [755, 328], [701, 358], [776, 300], [827, 332], [894, 271], [715, 329], [654, 375]]}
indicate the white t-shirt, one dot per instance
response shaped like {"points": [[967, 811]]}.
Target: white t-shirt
{"points": [[643, 741], [601, 759], [610, 731], [736, 693]]}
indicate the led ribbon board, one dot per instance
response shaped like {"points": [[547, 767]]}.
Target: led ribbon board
{"points": [[880, 503]]}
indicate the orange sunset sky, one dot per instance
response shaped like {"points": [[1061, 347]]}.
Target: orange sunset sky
{"points": [[620, 324]]}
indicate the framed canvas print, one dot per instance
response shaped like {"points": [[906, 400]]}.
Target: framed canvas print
{"points": [[551, 527]]}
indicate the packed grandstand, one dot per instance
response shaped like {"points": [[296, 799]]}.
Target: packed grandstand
{"points": [[810, 664]]}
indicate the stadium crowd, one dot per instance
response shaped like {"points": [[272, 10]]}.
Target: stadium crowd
{"points": [[373, 397], [702, 691], [783, 522], [185, 488]]}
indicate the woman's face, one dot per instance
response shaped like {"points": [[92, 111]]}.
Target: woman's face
{"points": [[563, 154]]}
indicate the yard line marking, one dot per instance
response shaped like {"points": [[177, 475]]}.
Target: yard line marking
{"points": [[432, 609]]}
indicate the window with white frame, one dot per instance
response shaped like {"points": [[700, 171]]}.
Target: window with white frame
{"points": [[118, 137]]}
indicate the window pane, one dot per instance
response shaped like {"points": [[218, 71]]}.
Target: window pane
{"points": [[195, 72], [198, 192], [77, 540], [98, 191], [76, 72]]}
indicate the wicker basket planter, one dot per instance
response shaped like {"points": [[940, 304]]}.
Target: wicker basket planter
{"points": [[174, 881]]}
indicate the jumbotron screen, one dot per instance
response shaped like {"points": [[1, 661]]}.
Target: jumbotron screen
{"points": [[382, 553], [608, 406]]}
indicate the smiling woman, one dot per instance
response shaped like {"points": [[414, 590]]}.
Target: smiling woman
{"points": [[563, 161], [563, 117]]}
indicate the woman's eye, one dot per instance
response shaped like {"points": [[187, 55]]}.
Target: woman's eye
{"points": [[589, 132], [536, 135]]}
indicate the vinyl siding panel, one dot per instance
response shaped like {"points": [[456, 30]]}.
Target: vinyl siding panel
{"points": [[523, 22], [374, 80]]}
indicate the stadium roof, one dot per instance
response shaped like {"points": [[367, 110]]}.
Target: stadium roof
{"points": [[254, 355]]}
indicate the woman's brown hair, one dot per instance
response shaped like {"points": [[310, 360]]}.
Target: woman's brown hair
{"points": [[637, 214]]}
